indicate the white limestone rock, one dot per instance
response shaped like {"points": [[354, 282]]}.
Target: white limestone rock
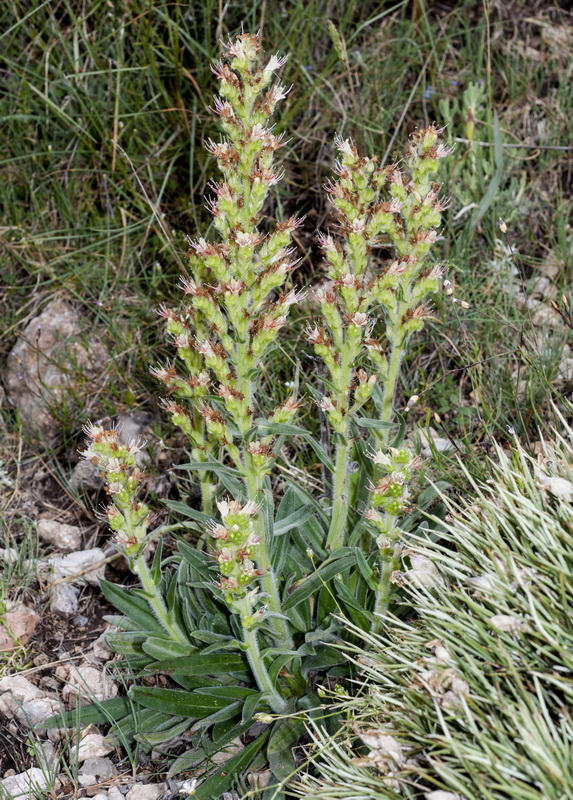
{"points": [[88, 683], [93, 745], [26, 785], [65, 538]]}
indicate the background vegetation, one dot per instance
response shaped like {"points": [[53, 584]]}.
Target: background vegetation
{"points": [[105, 112]]}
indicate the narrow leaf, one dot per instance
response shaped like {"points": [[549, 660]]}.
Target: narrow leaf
{"points": [[177, 702], [102, 711], [200, 664], [133, 606], [293, 520], [223, 778], [315, 581]]}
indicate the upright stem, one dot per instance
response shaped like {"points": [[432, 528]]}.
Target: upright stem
{"points": [[268, 578], [205, 481], [390, 389], [388, 554], [255, 660], [252, 480], [340, 493], [155, 601], [389, 562], [206, 494], [335, 537]]}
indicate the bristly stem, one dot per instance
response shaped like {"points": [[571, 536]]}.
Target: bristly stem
{"points": [[155, 600], [268, 578], [340, 491], [390, 384], [255, 658], [389, 559], [337, 528]]}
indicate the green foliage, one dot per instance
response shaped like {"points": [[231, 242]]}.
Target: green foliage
{"points": [[471, 699]]}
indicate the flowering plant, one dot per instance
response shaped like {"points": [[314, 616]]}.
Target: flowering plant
{"points": [[244, 618]]}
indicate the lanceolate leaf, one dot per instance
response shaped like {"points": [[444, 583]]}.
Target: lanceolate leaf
{"points": [[132, 605], [178, 702], [162, 647], [279, 749], [315, 581], [229, 477], [223, 734], [211, 466], [378, 424], [293, 520], [182, 508], [103, 711], [223, 778], [283, 429], [200, 664], [488, 197], [158, 734], [196, 559]]}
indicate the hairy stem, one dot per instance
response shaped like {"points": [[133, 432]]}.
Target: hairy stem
{"points": [[389, 563], [268, 578], [335, 538], [253, 485], [207, 494], [155, 600], [390, 389], [255, 659], [340, 492]]}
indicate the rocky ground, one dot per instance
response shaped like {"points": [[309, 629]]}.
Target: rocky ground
{"points": [[53, 551]]}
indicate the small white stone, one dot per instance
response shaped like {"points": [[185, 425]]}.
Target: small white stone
{"points": [[488, 582], [423, 571], [86, 565], [9, 554], [145, 791], [21, 688], [113, 793], [383, 746], [46, 755], [89, 683], [560, 488], [102, 768], [439, 795], [439, 444], [64, 601], [93, 746], [259, 780], [65, 538], [228, 751], [86, 476], [25, 785], [34, 712], [87, 780], [100, 649], [132, 427], [15, 690]]}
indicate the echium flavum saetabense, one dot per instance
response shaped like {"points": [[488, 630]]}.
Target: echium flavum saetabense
{"points": [[400, 210], [236, 303]]}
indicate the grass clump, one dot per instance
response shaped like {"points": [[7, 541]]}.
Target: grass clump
{"points": [[470, 696]]}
